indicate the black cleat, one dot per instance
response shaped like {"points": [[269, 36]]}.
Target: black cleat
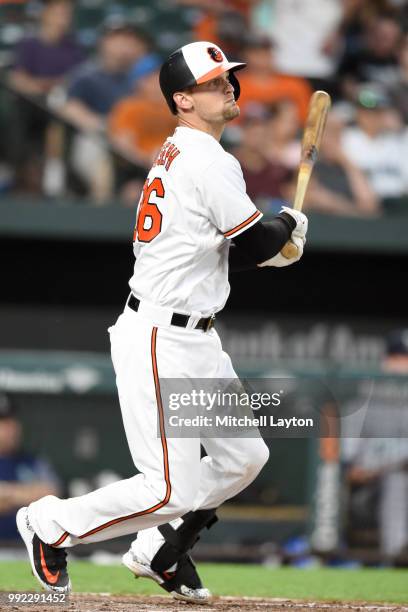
{"points": [[184, 583], [49, 564]]}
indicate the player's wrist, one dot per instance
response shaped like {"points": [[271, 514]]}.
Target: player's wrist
{"points": [[300, 219], [289, 221]]}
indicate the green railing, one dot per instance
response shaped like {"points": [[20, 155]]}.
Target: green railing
{"points": [[22, 217]]}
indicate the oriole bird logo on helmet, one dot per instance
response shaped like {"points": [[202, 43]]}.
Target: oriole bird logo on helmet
{"points": [[215, 54]]}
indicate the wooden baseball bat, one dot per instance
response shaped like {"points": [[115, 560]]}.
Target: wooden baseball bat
{"points": [[312, 136]]}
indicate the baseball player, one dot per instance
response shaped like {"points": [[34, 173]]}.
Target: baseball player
{"points": [[193, 207]]}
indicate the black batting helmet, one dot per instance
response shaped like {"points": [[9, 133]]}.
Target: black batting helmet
{"points": [[194, 64]]}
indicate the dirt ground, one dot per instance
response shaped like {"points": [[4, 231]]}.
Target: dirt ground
{"points": [[108, 603]]}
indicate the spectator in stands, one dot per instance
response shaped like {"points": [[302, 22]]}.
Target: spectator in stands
{"points": [[224, 22], [376, 457], [283, 133], [24, 477], [260, 81], [265, 180], [375, 59], [139, 125], [357, 15], [96, 87], [305, 35], [339, 186], [378, 145], [91, 95], [43, 60], [399, 91]]}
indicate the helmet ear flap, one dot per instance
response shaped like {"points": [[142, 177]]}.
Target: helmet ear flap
{"points": [[235, 83]]}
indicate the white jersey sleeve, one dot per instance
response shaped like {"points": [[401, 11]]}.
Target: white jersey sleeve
{"points": [[223, 195]]}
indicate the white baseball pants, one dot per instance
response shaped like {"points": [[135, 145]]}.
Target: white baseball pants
{"points": [[173, 479]]}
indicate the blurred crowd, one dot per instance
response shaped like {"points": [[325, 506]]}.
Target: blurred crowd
{"points": [[87, 121], [25, 476]]}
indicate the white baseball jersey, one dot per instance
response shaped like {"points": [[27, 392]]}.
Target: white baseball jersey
{"points": [[193, 202]]}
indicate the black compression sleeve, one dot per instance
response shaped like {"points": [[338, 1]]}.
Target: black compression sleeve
{"points": [[260, 242], [239, 261]]}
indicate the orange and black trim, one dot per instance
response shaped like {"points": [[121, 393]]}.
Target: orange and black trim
{"points": [[212, 74], [61, 539], [220, 69], [166, 468], [242, 225]]}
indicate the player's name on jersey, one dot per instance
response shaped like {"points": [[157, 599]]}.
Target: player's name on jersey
{"points": [[167, 155], [243, 421]]}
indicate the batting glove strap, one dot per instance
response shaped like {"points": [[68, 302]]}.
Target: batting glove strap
{"points": [[289, 220], [301, 221]]}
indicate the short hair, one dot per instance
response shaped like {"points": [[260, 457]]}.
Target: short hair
{"points": [[113, 26]]}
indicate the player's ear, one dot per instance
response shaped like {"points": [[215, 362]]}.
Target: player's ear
{"points": [[183, 100]]}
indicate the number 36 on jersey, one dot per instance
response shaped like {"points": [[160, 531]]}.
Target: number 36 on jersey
{"points": [[149, 218]]}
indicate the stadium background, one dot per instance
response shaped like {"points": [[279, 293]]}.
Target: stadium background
{"points": [[66, 260]]}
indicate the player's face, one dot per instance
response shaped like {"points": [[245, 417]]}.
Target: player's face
{"points": [[214, 100]]}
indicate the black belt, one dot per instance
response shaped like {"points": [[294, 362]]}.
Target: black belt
{"points": [[178, 319]]}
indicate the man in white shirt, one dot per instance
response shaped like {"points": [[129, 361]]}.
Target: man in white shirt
{"points": [[378, 144], [304, 34]]}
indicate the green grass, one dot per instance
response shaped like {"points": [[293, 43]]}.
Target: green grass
{"points": [[381, 585]]}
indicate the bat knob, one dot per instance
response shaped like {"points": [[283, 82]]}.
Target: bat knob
{"points": [[290, 250]]}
